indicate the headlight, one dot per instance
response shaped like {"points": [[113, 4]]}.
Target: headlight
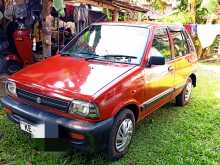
{"points": [[83, 108], [11, 88]]}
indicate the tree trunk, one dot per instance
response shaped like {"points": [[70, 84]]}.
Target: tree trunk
{"points": [[46, 28], [192, 4]]}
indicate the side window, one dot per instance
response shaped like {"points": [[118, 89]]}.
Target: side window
{"points": [[161, 44], [180, 44]]}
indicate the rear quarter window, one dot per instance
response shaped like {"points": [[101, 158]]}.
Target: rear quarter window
{"points": [[180, 43]]}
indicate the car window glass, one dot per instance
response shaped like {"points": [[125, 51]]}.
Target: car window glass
{"points": [[161, 44], [180, 44], [111, 42]]}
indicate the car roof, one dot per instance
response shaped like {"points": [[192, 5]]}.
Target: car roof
{"points": [[172, 27], [137, 24]]}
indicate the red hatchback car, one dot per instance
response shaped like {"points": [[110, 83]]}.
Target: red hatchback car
{"points": [[108, 78]]}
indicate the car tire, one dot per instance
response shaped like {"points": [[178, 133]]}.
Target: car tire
{"points": [[184, 97], [125, 120]]}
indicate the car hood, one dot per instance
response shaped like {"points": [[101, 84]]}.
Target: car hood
{"points": [[71, 75]]}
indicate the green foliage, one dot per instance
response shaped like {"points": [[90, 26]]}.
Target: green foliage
{"points": [[211, 6], [178, 17], [200, 14], [159, 5], [198, 3], [107, 13], [183, 5]]}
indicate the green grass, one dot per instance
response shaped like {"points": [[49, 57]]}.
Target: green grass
{"points": [[172, 135], [211, 64]]}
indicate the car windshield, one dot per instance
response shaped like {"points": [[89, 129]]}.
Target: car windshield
{"points": [[123, 44]]}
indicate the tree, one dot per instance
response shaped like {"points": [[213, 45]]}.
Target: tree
{"points": [[192, 4], [159, 5]]}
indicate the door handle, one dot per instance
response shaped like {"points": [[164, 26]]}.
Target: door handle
{"points": [[170, 68]]}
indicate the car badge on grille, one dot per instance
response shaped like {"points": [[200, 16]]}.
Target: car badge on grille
{"points": [[38, 100]]}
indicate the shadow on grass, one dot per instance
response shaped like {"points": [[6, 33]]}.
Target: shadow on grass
{"points": [[100, 158], [25, 145]]}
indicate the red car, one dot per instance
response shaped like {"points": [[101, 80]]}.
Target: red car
{"points": [[107, 79]]}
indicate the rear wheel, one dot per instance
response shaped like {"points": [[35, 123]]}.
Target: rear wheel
{"points": [[184, 97], [121, 134]]}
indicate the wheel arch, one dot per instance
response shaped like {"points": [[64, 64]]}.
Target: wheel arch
{"points": [[194, 79], [131, 106]]}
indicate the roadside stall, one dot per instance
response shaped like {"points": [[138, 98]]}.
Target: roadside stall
{"points": [[29, 35]]}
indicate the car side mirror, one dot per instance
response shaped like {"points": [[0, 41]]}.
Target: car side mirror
{"points": [[156, 60]]}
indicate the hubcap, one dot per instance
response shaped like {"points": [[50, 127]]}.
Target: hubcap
{"points": [[188, 91], [124, 135]]}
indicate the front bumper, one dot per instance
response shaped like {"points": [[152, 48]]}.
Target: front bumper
{"points": [[96, 134]]}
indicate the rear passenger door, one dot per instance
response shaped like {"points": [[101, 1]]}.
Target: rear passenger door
{"points": [[182, 50]]}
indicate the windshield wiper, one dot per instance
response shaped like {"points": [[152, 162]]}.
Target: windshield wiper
{"points": [[110, 55], [119, 55], [94, 56], [79, 54], [65, 54]]}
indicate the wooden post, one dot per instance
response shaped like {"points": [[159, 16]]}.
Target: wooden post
{"points": [[139, 17], [46, 28], [115, 16], [193, 9]]}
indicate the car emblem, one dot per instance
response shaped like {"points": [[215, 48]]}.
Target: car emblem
{"points": [[38, 100]]}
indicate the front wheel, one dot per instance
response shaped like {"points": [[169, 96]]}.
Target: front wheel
{"points": [[184, 97], [121, 134]]}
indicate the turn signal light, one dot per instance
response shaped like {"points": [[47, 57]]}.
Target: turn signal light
{"points": [[77, 136]]}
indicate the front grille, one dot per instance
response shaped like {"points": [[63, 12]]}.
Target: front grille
{"points": [[44, 100]]}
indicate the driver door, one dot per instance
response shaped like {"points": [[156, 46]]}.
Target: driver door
{"points": [[159, 79]]}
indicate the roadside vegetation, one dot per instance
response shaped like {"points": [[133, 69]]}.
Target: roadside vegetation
{"points": [[171, 135]]}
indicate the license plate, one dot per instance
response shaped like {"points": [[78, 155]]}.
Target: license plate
{"points": [[37, 131], [26, 127]]}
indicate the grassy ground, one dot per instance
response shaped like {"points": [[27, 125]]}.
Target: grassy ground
{"points": [[212, 64], [172, 135]]}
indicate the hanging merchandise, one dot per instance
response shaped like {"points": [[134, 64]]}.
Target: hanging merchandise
{"points": [[34, 8], [2, 6], [20, 2], [1, 16], [71, 26], [194, 29], [191, 29], [3, 38], [9, 11], [69, 12], [59, 6], [20, 11], [81, 15], [96, 16], [188, 28]]}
